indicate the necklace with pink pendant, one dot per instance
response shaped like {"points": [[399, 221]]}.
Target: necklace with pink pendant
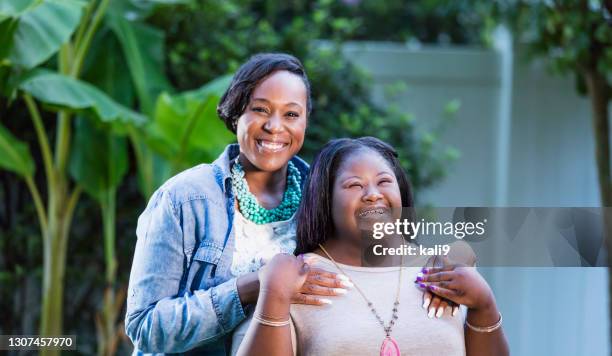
{"points": [[389, 346]]}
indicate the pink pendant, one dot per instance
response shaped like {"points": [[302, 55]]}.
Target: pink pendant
{"points": [[389, 347]]}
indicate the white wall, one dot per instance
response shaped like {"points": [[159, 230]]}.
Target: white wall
{"points": [[525, 139]]}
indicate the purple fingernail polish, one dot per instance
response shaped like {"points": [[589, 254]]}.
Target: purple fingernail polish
{"points": [[419, 279], [424, 270], [432, 287], [422, 285]]}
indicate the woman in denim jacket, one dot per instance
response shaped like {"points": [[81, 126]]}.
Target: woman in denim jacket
{"points": [[205, 232]]}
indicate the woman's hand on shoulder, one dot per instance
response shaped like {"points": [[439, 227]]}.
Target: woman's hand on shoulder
{"points": [[458, 283], [292, 279], [283, 276], [460, 253]]}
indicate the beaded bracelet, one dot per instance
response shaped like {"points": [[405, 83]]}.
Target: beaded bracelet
{"points": [[269, 322], [486, 329]]}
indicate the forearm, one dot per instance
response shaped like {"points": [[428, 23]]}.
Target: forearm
{"points": [[483, 343], [248, 288], [183, 322], [269, 340]]}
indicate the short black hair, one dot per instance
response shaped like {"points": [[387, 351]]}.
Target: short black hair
{"points": [[314, 216], [236, 98]]}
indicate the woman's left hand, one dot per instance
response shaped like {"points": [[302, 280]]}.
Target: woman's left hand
{"points": [[458, 283]]}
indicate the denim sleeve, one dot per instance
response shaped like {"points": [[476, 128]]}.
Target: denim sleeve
{"points": [[157, 318]]}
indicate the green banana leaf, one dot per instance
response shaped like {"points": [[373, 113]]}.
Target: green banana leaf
{"points": [[42, 28], [8, 25], [143, 50], [14, 8], [186, 129], [138, 10], [15, 154], [61, 91], [98, 160], [105, 68]]}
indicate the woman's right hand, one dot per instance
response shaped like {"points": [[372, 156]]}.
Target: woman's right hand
{"points": [[292, 279]]}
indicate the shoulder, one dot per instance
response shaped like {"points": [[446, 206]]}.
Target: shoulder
{"points": [[203, 181], [462, 252]]}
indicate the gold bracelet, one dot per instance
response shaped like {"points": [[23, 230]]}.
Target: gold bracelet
{"points": [[268, 322], [485, 329]]}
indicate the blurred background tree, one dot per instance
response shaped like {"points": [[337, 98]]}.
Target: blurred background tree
{"points": [[574, 37]]}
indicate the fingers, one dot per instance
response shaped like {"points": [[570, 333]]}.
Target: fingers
{"points": [[313, 289], [431, 270], [436, 305], [321, 279], [433, 306], [441, 308], [327, 274], [455, 309], [301, 298], [443, 292], [427, 296], [435, 277]]}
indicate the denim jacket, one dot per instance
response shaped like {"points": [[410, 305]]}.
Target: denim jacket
{"points": [[182, 297]]}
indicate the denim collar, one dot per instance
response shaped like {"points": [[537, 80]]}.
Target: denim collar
{"points": [[223, 172]]}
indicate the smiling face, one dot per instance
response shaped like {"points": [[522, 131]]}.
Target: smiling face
{"points": [[365, 191], [271, 129]]}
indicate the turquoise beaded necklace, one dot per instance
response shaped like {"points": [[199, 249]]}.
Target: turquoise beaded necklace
{"points": [[250, 208]]}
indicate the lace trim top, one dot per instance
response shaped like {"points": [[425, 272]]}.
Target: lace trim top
{"points": [[257, 244]]}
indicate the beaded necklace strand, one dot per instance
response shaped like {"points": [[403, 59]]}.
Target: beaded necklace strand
{"points": [[250, 208], [389, 346]]}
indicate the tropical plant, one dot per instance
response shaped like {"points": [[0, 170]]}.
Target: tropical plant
{"points": [[93, 128], [70, 37]]}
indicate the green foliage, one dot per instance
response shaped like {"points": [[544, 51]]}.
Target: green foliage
{"points": [[91, 151], [575, 37], [98, 161], [185, 128], [425, 21], [35, 31], [61, 91], [15, 154], [201, 47], [142, 47]]}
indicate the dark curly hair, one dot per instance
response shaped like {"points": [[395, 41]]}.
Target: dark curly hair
{"points": [[236, 98], [314, 220]]}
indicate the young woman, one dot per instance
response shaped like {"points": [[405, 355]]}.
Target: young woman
{"points": [[206, 231], [352, 183]]}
